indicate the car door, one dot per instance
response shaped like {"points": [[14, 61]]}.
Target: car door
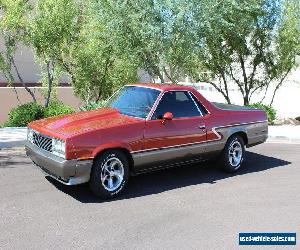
{"points": [[181, 137]]}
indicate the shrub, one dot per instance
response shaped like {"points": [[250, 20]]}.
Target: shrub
{"points": [[93, 105], [57, 108], [22, 115], [271, 112]]}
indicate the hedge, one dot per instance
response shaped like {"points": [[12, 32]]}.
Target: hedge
{"points": [[26, 113]]}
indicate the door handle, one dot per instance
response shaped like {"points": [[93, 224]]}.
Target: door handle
{"points": [[202, 126]]}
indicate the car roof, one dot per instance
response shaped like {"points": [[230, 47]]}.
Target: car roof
{"points": [[163, 86]]}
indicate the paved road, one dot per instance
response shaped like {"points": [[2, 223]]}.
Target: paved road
{"points": [[184, 208]]}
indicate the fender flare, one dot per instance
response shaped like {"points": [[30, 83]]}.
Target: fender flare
{"points": [[225, 132], [111, 145]]}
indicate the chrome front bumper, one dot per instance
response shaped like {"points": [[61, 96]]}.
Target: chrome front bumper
{"points": [[68, 172]]}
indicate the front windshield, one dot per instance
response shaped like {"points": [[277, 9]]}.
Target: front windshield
{"points": [[134, 101]]}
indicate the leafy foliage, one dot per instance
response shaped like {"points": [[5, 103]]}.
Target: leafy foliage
{"points": [[51, 27], [13, 25], [22, 115], [250, 43], [93, 105], [153, 33], [271, 112], [85, 49], [57, 108], [101, 44]]}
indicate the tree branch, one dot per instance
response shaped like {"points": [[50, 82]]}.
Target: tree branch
{"points": [[50, 72], [21, 80], [279, 85], [168, 75], [236, 80]]}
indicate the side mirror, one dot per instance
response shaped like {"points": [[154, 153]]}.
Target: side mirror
{"points": [[168, 116]]}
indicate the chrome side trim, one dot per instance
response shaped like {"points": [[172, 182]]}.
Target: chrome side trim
{"points": [[141, 86], [174, 146], [154, 106], [190, 94], [192, 143]]}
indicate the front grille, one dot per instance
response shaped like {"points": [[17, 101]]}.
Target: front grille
{"points": [[42, 141]]}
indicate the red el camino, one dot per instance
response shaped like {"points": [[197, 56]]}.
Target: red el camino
{"points": [[143, 127]]}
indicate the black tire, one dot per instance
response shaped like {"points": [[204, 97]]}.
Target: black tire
{"points": [[103, 174], [229, 161]]}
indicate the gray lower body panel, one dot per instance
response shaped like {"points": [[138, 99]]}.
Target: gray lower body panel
{"points": [[151, 159], [256, 132], [69, 172]]}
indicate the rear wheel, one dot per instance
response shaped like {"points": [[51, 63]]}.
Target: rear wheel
{"points": [[110, 174], [233, 154]]}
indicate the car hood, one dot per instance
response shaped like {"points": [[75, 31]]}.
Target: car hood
{"points": [[77, 123]]}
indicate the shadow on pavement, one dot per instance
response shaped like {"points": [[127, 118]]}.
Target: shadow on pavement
{"points": [[164, 180]]}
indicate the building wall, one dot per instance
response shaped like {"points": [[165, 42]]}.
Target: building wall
{"points": [[8, 98], [29, 70], [286, 102]]}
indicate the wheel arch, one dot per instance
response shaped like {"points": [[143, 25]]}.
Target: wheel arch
{"points": [[240, 133], [124, 150]]}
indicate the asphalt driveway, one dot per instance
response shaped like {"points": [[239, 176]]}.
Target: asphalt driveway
{"points": [[193, 207]]}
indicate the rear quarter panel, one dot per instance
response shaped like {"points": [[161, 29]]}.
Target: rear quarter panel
{"points": [[221, 124]]}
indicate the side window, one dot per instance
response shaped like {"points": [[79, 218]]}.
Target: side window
{"points": [[179, 103], [200, 106]]}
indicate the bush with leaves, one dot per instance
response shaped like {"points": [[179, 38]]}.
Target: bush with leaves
{"points": [[26, 113], [57, 108], [22, 115], [271, 112], [93, 105]]}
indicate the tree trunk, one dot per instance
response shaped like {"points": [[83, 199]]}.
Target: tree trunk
{"points": [[161, 77], [227, 99], [21, 80], [246, 98], [50, 69], [169, 76], [246, 101], [279, 85], [17, 95]]}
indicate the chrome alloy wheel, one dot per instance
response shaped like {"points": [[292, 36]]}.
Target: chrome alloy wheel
{"points": [[112, 174], [235, 153]]}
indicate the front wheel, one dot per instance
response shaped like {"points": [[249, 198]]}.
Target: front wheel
{"points": [[110, 174], [233, 154]]}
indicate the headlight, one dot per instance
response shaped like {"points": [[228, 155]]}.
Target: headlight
{"points": [[30, 135], [59, 147]]}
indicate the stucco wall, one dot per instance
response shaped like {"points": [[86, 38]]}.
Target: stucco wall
{"points": [[8, 98], [286, 102]]}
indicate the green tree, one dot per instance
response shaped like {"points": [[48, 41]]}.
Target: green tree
{"points": [[250, 43], [287, 45], [13, 32], [93, 60], [153, 34], [51, 28]]}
